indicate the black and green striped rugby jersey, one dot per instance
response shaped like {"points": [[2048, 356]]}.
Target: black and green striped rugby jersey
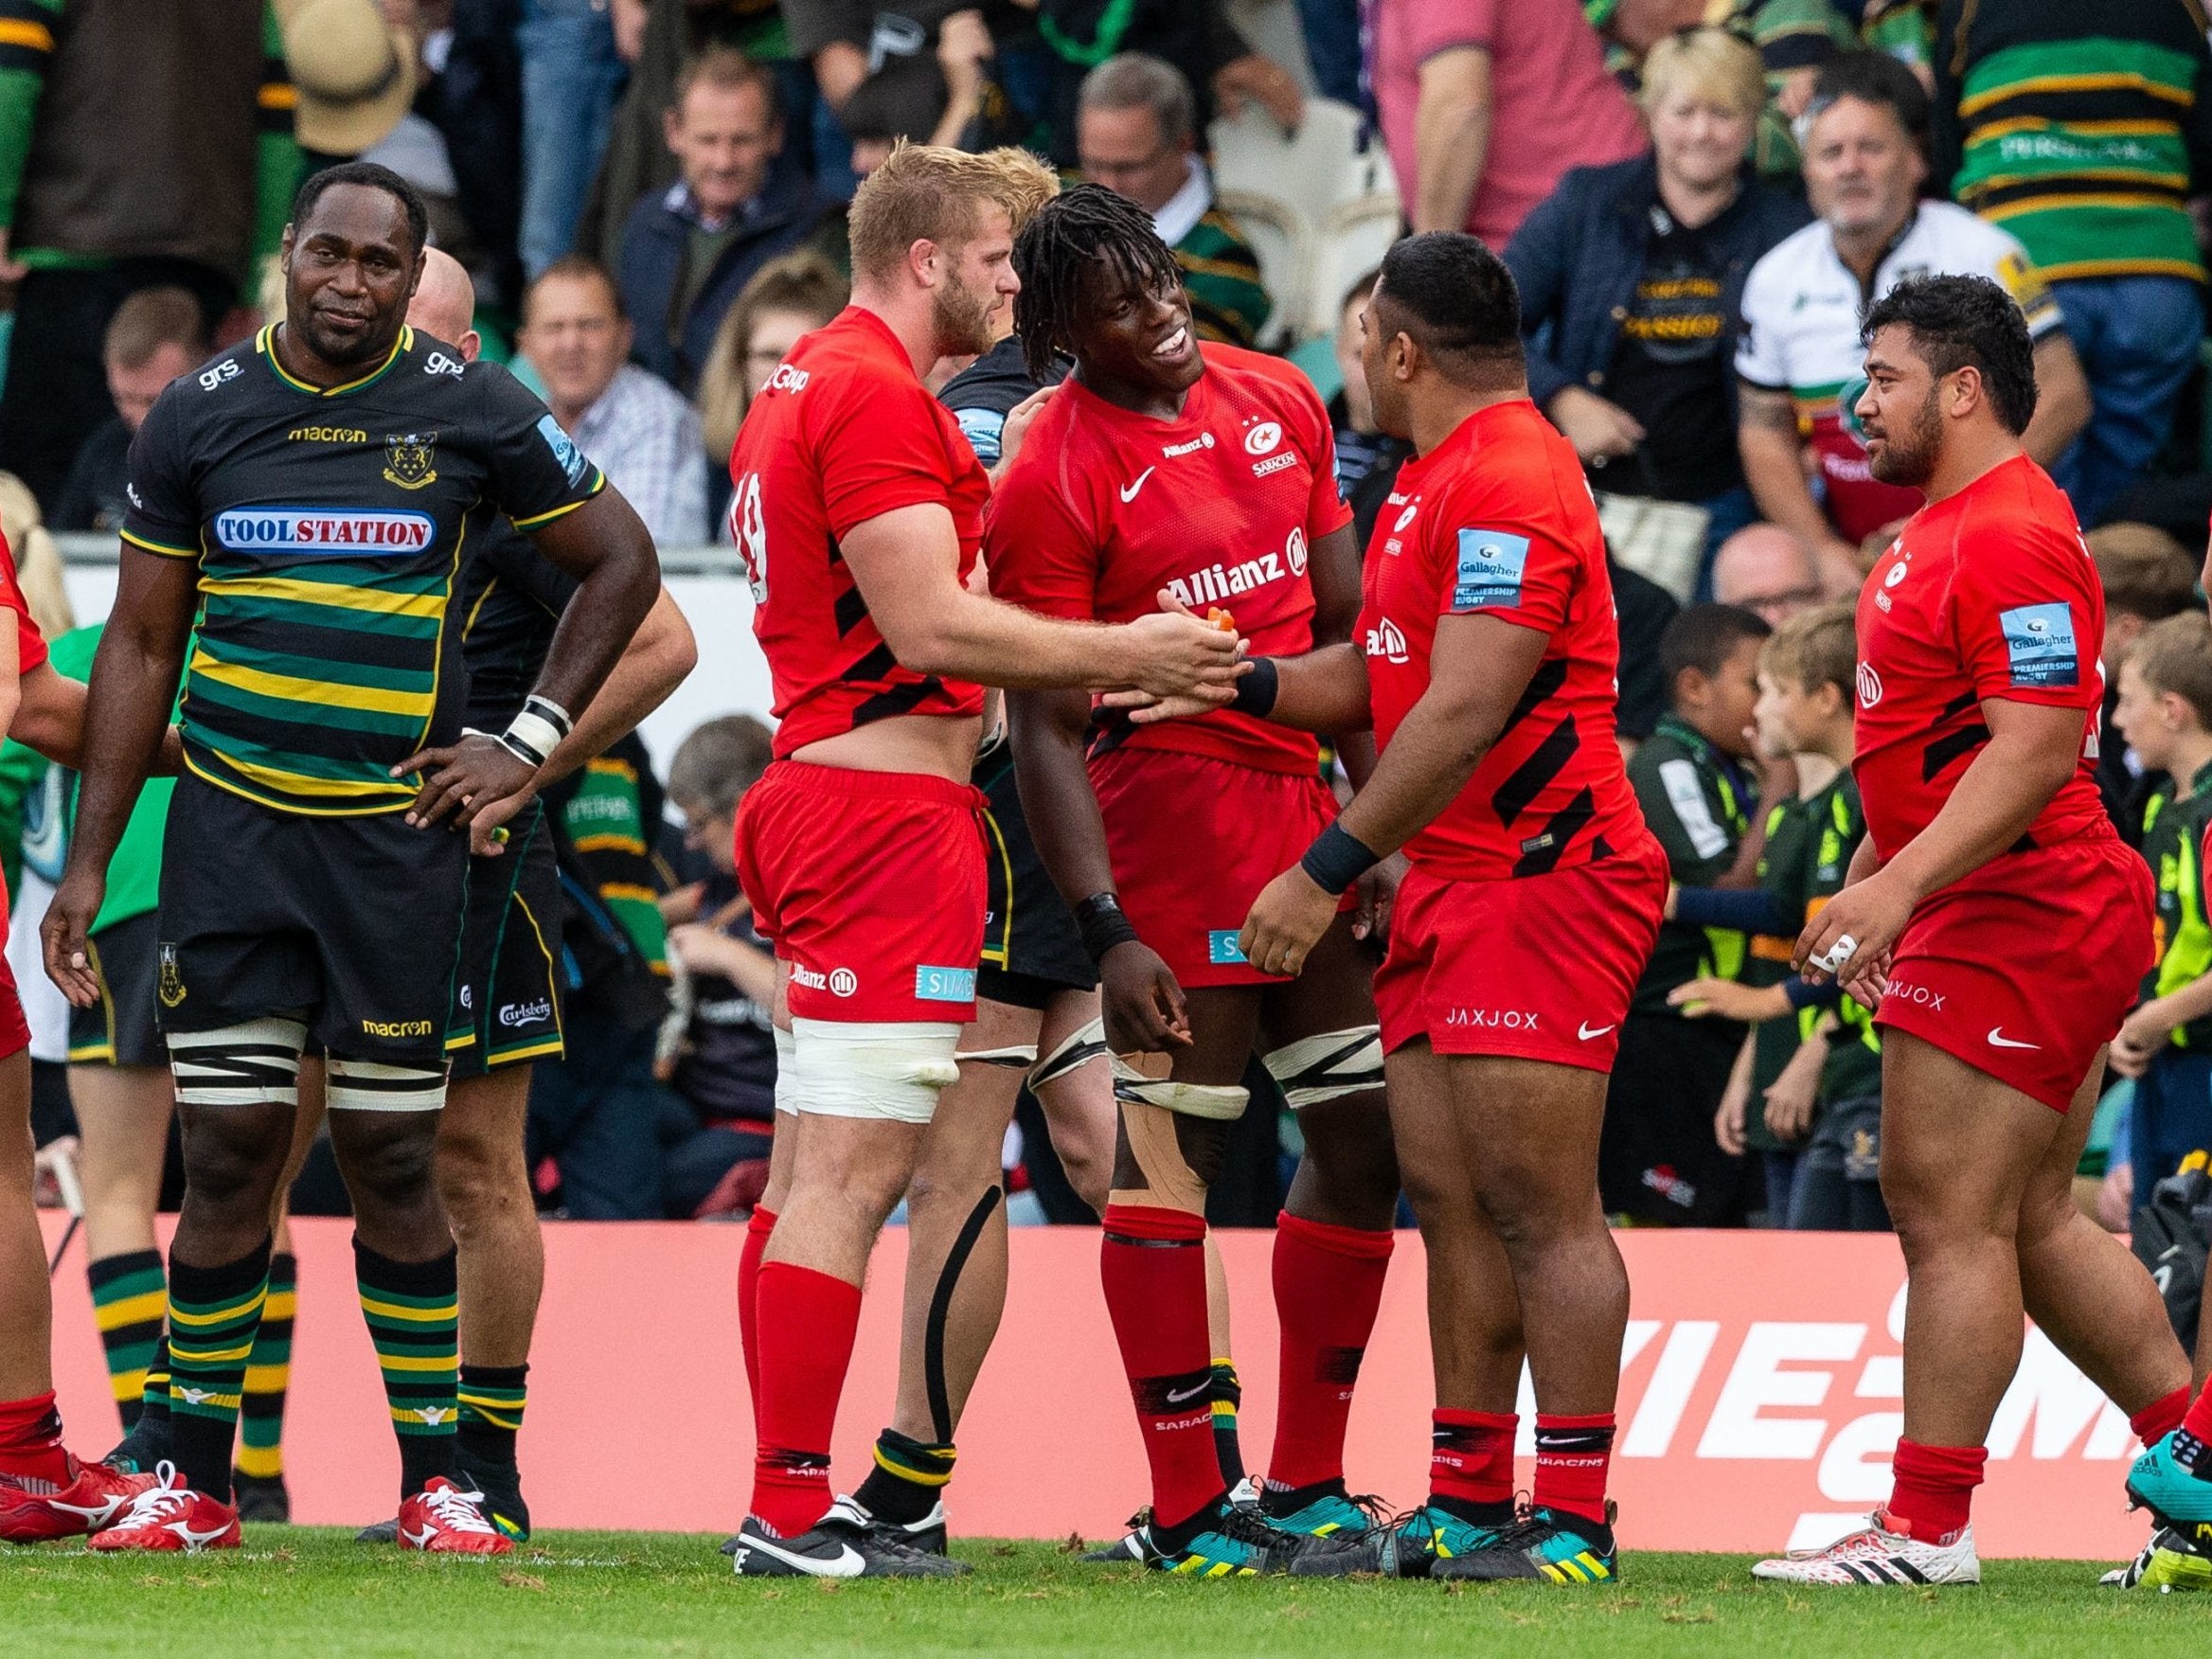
{"points": [[330, 528]]}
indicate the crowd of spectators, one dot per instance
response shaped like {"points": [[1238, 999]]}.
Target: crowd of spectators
{"points": [[1698, 199]]}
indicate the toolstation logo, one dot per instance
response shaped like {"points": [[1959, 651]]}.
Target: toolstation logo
{"points": [[322, 529]]}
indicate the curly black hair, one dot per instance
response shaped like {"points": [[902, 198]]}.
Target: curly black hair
{"points": [[1958, 320], [1085, 225]]}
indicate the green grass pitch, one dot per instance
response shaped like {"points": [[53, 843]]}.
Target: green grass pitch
{"points": [[314, 1591]]}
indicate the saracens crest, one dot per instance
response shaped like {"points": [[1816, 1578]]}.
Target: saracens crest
{"points": [[410, 462]]}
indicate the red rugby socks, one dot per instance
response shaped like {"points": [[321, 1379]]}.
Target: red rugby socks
{"points": [[1152, 1262], [1328, 1286], [1933, 1489], [1471, 1463], [1574, 1456], [2162, 1417], [804, 1326], [757, 1231], [2193, 1448], [30, 1444]]}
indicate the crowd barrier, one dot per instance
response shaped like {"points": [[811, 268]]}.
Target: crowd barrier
{"points": [[1760, 1398]]}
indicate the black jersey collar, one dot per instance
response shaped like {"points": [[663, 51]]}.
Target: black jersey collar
{"points": [[265, 343]]}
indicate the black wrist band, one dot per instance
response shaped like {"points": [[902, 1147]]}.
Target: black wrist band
{"points": [[1337, 859], [550, 711], [1255, 691], [520, 750], [1098, 918]]}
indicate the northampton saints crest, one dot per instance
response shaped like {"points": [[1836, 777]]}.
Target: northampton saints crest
{"points": [[411, 462], [170, 984]]}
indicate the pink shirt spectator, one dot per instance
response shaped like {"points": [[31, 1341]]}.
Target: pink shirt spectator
{"points": [[1552, 104]]}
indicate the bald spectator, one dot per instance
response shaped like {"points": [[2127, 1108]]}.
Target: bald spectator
{"points": [[1136, 132], [644, 436], [156, 335], [1766, 569], [1485, 105]]}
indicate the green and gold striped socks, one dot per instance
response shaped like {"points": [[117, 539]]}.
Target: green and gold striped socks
{"points": [[909, 1478], [213, 1314], [130, 1296], [412, 1309], [492, 1401], [260, 1451]]}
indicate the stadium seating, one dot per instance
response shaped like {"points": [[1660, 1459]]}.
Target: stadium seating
{"points": [[1321, 205]]}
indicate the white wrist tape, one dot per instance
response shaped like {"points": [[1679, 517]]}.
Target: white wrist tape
{"points": [[530, 735]]}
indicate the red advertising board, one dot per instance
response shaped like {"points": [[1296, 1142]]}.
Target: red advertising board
{"points": [[1760, 1398]]}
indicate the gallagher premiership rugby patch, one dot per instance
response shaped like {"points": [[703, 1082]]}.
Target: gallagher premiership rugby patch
{"points": [[1490, 567], [2039, 645]]}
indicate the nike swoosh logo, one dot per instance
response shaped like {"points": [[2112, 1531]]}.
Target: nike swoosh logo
{"points": [[848, 1563], [1128, 491], [1587, 1034], [1998, 1039], [1188, 1394]]}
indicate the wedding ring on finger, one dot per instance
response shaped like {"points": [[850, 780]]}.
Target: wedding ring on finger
{"points": [[1832, 960]]}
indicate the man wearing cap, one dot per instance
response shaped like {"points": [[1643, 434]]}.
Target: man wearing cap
{"points": [[191, 190]]}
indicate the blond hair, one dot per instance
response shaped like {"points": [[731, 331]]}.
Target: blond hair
{"points": [[2175, 658], [803, 282], [38, 560], [1704, 62], [927, 192], [1815, 648]]}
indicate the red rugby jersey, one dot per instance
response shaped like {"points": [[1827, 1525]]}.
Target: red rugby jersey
{"points": [[1497, 521], [30, 646], [842, 434], [1988, 594], [1103, 509]]}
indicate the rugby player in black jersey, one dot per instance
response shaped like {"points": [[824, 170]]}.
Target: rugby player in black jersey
{"points": [[310, 495]]}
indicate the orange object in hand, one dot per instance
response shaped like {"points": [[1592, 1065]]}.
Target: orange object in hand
{"points": [[1222, 620]]}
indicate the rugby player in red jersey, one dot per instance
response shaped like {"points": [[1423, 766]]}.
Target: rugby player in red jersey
{"points": [[45, 1492], [1994, 915], [1208, 476], [858, 510], [1486, 661]]}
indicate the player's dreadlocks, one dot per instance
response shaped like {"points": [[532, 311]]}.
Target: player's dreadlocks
{"points": [[1085, 225]]}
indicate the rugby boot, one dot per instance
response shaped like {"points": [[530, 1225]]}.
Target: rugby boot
{"points": [[444, 1519], [1230, 1541], [2166, 1564], [1323, 1510], [1878, 1555], [1553, 1546], [170, 1515], [96, 1495], [2170, 1491], [502, 1487], [927, 1535], [1133, 1545], [1407, 1547], [847, 1543]]}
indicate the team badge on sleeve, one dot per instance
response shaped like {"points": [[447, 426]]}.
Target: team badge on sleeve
{"points": [[2039, 645], [1491, 564]]}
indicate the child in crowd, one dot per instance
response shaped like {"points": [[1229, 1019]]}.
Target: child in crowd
{"points": [[2165, 712], [1814, 1064], [2148, 577], [1658, 1160]]}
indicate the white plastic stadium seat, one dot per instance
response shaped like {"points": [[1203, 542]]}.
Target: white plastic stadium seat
{"points": [[1346, 245], [1279, 236], [1321, 168]]}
